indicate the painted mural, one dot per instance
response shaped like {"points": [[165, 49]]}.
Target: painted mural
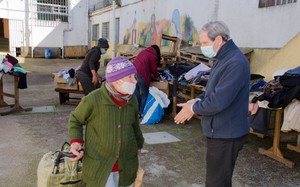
{"points": [[148, 33]]}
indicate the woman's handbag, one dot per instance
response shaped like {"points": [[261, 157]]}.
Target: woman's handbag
{"points": [[56, 169]]}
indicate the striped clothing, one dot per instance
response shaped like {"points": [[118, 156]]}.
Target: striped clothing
{"points": [[112, 133]]}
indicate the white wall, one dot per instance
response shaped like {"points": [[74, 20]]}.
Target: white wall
{"points": [[257, 27], [77, 30], [51, 37], [12, 9], [74, 33], [250, 26]]}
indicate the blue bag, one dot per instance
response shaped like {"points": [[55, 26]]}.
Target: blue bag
{"points": [[155, 104]]}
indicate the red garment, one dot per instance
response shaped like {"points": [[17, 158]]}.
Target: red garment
{"points": [[78, 141], [145, 64], [120, 103]]}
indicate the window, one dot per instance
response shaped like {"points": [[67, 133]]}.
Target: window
{"points": [[95, 32], [102, 4], [99, 4], [52, 10], [105, 30], [268, 3]]}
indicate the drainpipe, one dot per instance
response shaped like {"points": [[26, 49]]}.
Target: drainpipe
{"points": [[31, 37], [68, 29], [113, 28]]}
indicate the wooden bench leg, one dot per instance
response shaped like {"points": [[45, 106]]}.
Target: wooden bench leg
{"points": [[274, 152], [63, 97]]}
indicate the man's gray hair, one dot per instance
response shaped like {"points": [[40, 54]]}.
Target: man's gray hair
{"points": [[216, 28]]}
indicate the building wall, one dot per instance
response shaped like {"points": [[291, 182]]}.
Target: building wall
{"points": [[50, 33], [250, 26], [266, 30], [285, 58], [259, 28]]}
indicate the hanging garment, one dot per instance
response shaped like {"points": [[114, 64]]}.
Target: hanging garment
{"points": [[291, 119]]}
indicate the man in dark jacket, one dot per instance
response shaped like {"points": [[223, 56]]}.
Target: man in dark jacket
{"points": [[223, 106], [87, 74]]}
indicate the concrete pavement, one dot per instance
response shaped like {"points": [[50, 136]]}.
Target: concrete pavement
{"points": [[26, 137]]}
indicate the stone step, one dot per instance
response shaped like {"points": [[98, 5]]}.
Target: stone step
{"points": [[4, 44]]}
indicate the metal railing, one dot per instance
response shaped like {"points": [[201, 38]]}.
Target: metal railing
{"points": [[105, 3]]}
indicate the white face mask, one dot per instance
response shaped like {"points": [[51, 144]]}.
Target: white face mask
{"points": [[208, 51], [128, 87]]}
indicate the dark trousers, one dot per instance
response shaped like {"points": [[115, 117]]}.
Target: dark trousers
{"points": [[220, 160], [141, 92], [85, 81]]}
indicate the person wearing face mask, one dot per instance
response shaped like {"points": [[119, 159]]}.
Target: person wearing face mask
{"points": [[113, 138], [223, 105], [87, 74]]}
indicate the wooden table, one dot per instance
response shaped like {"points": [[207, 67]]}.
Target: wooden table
{"points": [[274, 152], [13, 107], [188, 92]]}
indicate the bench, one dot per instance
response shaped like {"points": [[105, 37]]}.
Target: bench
{"points": [[64, 94]]}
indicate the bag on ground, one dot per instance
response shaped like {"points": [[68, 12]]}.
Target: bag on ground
{"points": [[155, 104]]}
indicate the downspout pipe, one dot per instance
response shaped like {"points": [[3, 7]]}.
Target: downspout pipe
{"points": [[68, 29], [31, 37], [113, 29]]}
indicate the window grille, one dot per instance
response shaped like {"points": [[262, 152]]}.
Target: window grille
{"points": [[105, 30], [95, 32], [270, 3], [99, 4], [49, 12]]}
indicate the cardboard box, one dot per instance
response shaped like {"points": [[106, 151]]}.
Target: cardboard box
{"points": [[163, 86], [62, 84]]}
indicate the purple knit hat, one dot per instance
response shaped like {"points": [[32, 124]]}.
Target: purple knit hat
{"points": [[118, 68]]}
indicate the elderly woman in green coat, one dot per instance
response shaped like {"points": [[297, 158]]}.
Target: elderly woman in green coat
{"points": [[112, 139]]}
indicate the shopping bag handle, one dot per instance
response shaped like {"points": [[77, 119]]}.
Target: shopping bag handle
{"points": [[60, 155]]}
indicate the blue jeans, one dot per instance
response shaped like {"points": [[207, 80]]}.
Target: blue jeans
{"points": [[141, 92]]}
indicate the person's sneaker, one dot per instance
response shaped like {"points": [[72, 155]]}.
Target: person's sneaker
{"points": [[140, 116]]}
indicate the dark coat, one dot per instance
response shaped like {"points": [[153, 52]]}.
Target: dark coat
{"points": [[91, 61], [145, 64], [224, 107]]}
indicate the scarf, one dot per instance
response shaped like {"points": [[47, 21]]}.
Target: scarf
{"points": [[115, 93]]}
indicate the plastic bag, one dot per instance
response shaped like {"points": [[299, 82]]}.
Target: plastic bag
{"points": [[155, 104]]}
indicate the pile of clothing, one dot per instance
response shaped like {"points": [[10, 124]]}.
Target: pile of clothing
{"points": [[68, 75], [280, 91], [11, 65], [184, 73], [257, 82], [283, 91]]}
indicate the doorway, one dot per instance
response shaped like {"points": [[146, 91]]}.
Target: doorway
{"points": [[4, 35]]}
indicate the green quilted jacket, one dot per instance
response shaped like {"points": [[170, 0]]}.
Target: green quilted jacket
{"points": [[112, 133]]}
